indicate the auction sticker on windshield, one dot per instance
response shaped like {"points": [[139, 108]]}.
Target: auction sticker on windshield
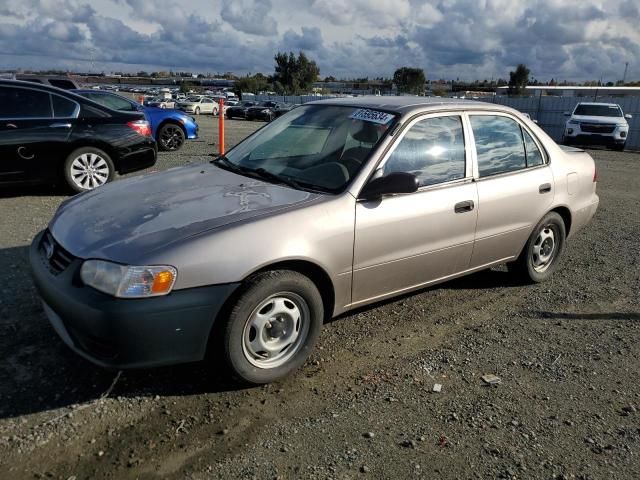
{"points": [[371, 116]]}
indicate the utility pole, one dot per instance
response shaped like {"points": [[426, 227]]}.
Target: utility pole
{"points": [[624, 77]]}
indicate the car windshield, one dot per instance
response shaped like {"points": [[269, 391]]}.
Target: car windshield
{"points": [[598, 110], [193, 99], [319, 147]]}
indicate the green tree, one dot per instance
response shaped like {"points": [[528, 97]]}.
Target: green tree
{"points": [[519, 79], [295, 74], [250, 84], [409, 80]]}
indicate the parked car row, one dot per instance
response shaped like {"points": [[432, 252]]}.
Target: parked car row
{"points": [[266, 111]]}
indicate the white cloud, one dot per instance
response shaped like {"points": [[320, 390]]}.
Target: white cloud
{"points": [[566, 39]]}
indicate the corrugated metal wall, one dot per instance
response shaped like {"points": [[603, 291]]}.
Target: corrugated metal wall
{"points": [[548, 111]]}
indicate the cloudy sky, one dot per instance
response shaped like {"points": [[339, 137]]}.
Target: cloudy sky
{"points": [[469, 39]]}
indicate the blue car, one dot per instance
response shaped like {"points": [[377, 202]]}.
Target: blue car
{"points": [[169, 127]]}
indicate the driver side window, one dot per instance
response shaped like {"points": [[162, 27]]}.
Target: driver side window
{"points": [[432, 150]]}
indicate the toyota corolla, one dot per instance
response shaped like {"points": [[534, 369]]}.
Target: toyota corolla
{"points": [[335, 205]]}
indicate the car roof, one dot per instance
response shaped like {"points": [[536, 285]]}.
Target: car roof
{"points": [[599, 103], [406, 104]]}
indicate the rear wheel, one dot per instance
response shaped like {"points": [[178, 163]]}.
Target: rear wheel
{"points": [[171, 137], [215, 112], [88, 168], [540, 256], [272, 326]]}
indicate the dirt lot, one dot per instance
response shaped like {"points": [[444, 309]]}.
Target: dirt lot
{"points": [[568, 354]]}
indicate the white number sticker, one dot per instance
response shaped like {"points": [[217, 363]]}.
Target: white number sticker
{"points": [[374, 116]]}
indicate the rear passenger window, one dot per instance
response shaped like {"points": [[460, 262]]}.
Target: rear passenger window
{"points": [[16, 103], [63, 107], [499, 144], [534, 156], [432, 150]]}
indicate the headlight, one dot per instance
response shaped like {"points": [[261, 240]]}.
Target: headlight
{"points": [[125, 281], [265, 111]]}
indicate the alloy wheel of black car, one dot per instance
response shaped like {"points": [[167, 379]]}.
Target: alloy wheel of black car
{"points": [[88, 168], [171, 137]]}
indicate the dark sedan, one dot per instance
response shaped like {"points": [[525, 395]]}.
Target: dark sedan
{"points": [[48, 135], [267, 111], [240, 110]]}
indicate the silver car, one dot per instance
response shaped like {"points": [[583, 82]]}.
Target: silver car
{"points": [[335, 205]]}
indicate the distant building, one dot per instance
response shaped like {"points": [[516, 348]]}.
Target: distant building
{"points": [[575, 91]]}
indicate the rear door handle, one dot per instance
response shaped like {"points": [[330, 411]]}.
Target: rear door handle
{"points": [[545, 188], [60, 125], [465, 206]]}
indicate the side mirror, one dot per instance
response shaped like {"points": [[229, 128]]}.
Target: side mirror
{"points": [[628, 117], [567, 114], [395, 182]]}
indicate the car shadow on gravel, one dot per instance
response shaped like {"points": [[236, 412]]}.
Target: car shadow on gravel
{"points": [[34, 191], [39, 372], [497, 277]]}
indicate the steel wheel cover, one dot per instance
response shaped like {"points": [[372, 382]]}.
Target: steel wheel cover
{"points": [[276, 330], [544, 248]]}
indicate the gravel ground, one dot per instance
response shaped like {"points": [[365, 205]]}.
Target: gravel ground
{"points": [[567, 353]]}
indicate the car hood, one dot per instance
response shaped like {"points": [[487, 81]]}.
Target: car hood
{"points": [[124, 220], [602, 120]]}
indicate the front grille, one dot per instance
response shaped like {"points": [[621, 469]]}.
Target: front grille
{"points": [[597, 127], [56, 258]]}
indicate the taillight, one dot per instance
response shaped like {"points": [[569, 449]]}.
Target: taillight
{"points": [[141, 126], [595, 174]]}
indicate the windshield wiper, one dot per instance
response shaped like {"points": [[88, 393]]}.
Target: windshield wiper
{"points": [[267, 175], [223, 162]]}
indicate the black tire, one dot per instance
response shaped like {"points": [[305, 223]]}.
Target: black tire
{"points": [[197, 111], [619, 147], [236, 332], [215, 112], [526, 266], [72, 175], [170, 137]]}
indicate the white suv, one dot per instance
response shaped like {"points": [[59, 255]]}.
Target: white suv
{"points": [[597, 124]]}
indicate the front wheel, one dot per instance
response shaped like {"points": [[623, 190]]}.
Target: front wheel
{"points": [[272, 327], [197, 111], [619, 147], [88, 168], [540, 256], [171, 137]]}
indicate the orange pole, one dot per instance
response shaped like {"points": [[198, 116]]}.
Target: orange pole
{"points": [[141, 98], [221, 125]]}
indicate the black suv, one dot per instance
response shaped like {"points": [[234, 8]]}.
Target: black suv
{"points": [[50, 135]]}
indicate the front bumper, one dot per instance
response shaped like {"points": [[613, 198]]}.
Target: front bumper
{"points": [[126, 333]]}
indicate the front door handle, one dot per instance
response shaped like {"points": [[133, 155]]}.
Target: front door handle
{"points": [[11, 125], [545, 188], [465, 206], [60, 125]]}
